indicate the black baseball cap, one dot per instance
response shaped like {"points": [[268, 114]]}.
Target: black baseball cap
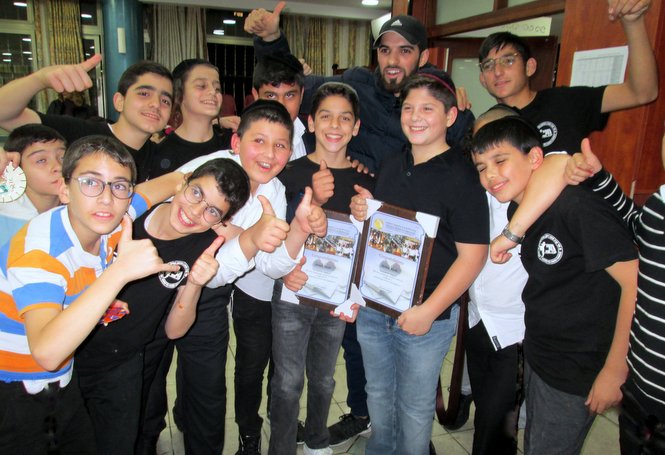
{"points": [[410, 28]]}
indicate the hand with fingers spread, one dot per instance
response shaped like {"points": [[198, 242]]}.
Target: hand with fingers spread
{"points": [[296, 278], [311, 218], [323, 185], [358, 166], [269, 232], [627, 10], [206, 265], [138, 258], [264, 24], [358, 204], [69, 78], [582, 165]]}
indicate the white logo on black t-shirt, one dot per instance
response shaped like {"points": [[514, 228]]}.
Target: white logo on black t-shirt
{"points": [[550, 249], [548, 133], [171, 280]]}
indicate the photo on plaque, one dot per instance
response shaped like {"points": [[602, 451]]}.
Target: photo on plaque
{"points": [[397, 244], [330, 263]]}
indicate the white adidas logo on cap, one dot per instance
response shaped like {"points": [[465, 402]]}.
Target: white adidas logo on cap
{"points": [[396, 23]]}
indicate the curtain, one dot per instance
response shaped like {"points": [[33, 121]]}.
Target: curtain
{"points": [[324, 41], [62, 32], [179, 33]]}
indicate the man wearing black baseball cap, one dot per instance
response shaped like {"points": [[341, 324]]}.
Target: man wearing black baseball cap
{"points": [[401, 49]]}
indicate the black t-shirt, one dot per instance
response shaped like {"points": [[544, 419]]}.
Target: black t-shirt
{"points": [[74, 128], [571, 301], [566, 115], [446, 186], [298, 174], [148, 300], [175, 151]]}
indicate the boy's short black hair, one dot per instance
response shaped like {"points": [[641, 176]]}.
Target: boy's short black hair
{"points": [[515, 131], [336, 89], [26, 135], [269, 110], [180, 76], [232, 182], [500, 40], [138, 69], [437, 82], [90, 145], [278, 68]]}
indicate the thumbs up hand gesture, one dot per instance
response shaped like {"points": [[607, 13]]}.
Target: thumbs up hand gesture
{"points": [[323, 185], [311, 218], [269, 232], [69, 78], [138, 258]]}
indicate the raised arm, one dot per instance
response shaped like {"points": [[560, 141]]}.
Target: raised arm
{"points": [[54, 335], [641, 84], [183, 311], [16, 94]]}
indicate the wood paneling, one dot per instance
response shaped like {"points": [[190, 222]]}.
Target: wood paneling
{"points": [[630, 144], [503, 16]]}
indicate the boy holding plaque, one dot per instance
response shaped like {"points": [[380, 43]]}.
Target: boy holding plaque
{"points": [[305, 335], [403, 356]]}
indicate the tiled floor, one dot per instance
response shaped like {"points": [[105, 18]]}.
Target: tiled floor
{"points": [[602, 440]]}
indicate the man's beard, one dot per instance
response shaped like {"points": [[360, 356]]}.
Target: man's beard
{"points": [[393, 85]]}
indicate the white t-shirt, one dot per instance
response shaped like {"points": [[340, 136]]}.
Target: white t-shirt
{"points": [[496, 294]]}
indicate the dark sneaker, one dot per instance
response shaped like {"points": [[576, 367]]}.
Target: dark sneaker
{"points": [[349, 427], [462, 413], [300, 437], [249, 445]]}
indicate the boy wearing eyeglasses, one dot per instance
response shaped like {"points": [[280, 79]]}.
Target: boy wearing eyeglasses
{"points": [[566, 115], [110, 363], [58, 277]]}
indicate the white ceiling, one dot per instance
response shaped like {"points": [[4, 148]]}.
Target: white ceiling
{"points": [[349, 9]]}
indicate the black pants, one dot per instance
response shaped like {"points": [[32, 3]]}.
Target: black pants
{"points": [[113, 400], [356, 399], [252, 323], [493, 377], [201, 378], [641, 423], [53, 421]]}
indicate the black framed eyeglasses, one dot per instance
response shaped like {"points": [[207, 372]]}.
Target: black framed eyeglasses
{"points": [[212, 215], [505, 61], [93, 187]]}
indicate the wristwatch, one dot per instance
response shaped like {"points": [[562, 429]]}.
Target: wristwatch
{"points": [[510, 236]]}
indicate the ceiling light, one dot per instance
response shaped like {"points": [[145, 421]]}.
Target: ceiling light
{"points": [[27, 40], [8, 60], [86, 16], [229, 21], [29, 58], [7, 54], [370, 2], [218, 32], [27, 52], [21, 4]]}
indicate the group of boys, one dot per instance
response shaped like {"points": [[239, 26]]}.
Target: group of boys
{"points": [[32, 367]]}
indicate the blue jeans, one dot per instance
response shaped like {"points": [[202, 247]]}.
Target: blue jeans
{"points": [[402, 371], [305, 339]]}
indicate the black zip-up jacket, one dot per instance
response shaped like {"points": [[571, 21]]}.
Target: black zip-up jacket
{"points": [[380, 130]]}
